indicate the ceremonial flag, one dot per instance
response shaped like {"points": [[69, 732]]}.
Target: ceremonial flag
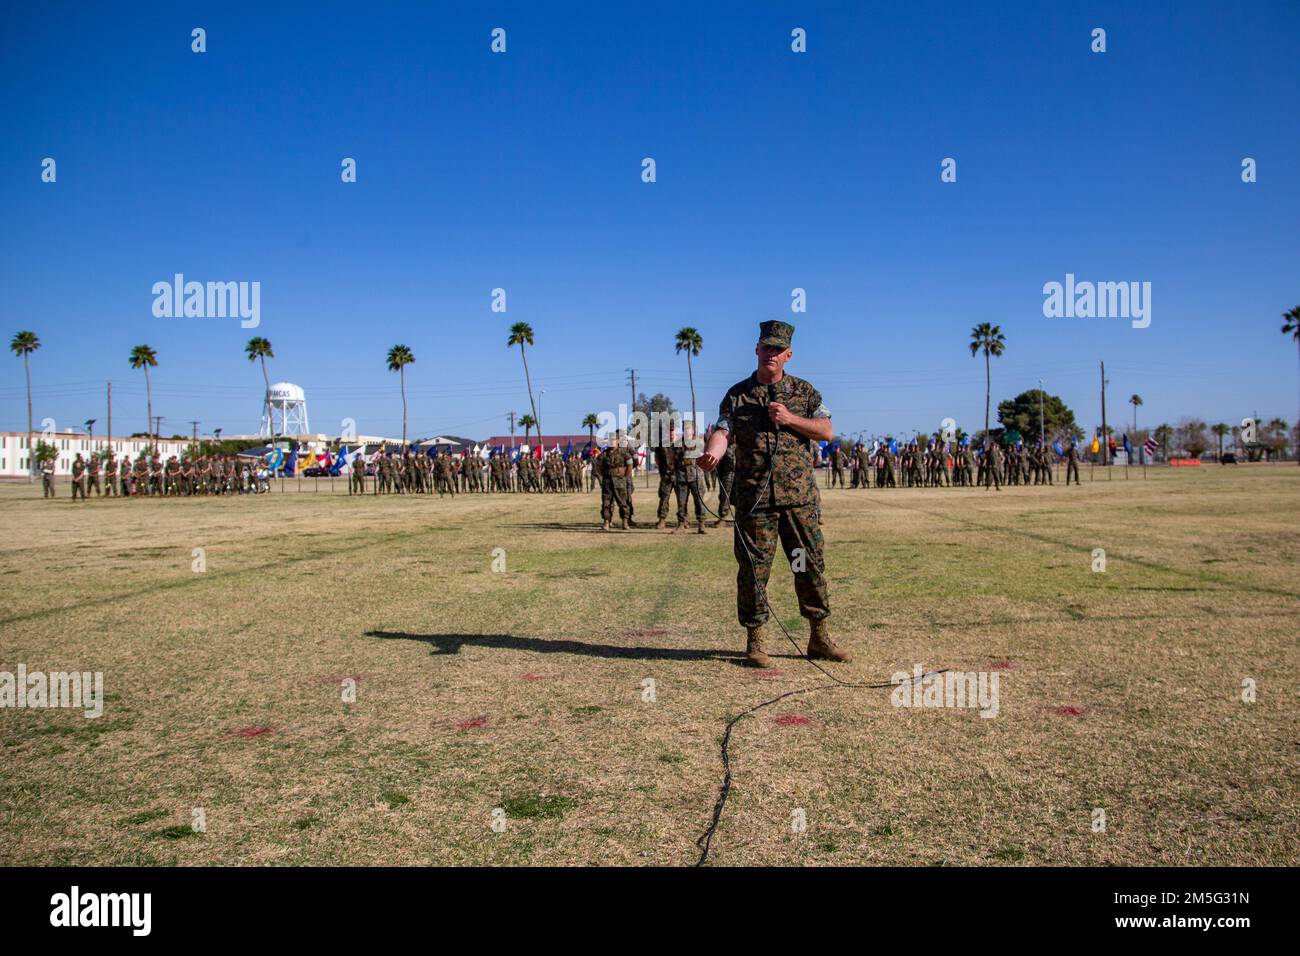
{"points": [[1056, 447], [1096, 445], [340, 460], [1128, 449], [326, 461], [1150, 446], [292, 463], [569, 450], [311, 459]]}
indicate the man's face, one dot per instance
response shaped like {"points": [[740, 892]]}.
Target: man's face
{"points": [[772, 358]]}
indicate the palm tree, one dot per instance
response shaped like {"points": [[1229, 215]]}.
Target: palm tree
{"points": [[399, 356], [590, 423], [528, 422], [1162, 435], [260, 348], [1135, 400], [521, 334], [1291, 327], [690, 342], [142, 356], [24, 344], [1277, 437], [1220, 430], [989, 339]]}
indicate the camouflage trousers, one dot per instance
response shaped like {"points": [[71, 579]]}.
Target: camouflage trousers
{"points": [[726, 482], [614, 491], [665, 493], [686, 491], [798, 529]]}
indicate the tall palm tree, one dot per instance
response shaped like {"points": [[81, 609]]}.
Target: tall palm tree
{"points": [[260, 348], [1277, 437], [142, 356], [528, 422], [399, 356], [1135, 400], [1291, 327], [690, 342], [1220, 430], [521, 334], [590, 423], [989, 339], [24, 344]]}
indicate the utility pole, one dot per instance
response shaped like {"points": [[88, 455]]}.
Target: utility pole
{"points": [[510, 417], [1105, 438], [632, 408], [1042, 435], [195, 424], [110, 416], [157, 428]]}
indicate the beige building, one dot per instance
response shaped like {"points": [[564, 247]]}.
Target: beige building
{"points": [[14, 455]]}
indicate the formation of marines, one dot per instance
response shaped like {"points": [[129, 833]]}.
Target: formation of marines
{"points": [[150, 476], [936, 464]]}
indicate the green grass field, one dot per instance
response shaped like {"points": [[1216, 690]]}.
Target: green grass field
{"points": [[523, 690]]}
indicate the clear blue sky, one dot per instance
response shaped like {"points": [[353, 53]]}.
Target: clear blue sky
{"points": [[522, 170]]}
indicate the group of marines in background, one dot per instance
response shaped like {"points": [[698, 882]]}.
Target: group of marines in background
{"points": [[935, 465], [152, 477], [912, 466]]}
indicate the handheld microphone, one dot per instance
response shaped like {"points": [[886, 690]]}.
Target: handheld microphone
{"points": [[771, 397]]}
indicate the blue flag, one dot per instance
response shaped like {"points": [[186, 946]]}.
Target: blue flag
{"points": [[339, 460], [293, 461]]}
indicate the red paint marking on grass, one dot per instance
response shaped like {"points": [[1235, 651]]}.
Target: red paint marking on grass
{"points": [[532, 677], [253, 731], [1000, 665], [648, 632], [1070, 711], [471, 723], [791, 720]]}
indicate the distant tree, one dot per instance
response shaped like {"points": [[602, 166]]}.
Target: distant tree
{"points": [[1135, 400], [399, 356], [590, 423], [23, 344], [260, 348], [1220, 430], [1163, 434], [142, 356], [521, 334], [1191, 437], [44, 452], [1022, 412], [690, 342], [987, 338], [660, 403], [1276, 441], [529, 423]]}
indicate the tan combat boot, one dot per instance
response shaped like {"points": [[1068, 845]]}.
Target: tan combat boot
{"points": [[604, 525], [822, 648], [756, 647], [661, 524], [622, 524], [678, 526], [701, 527]]}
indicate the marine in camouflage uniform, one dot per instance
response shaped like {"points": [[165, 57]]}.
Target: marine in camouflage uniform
{"points": [[688, 479], [773, 419], [664, 466], [78, 478], [838, 458], [110, 477], [616, 465]]}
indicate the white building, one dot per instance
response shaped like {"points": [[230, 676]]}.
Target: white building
{"points": [[14, 455]]}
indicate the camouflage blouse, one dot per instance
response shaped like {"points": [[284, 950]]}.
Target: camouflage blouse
{"points": [[743, 413]]}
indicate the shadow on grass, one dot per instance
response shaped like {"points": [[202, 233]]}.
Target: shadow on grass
{"points": [[452, 643]]}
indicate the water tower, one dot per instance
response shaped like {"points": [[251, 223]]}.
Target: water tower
{"points": [[286, 411]]}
